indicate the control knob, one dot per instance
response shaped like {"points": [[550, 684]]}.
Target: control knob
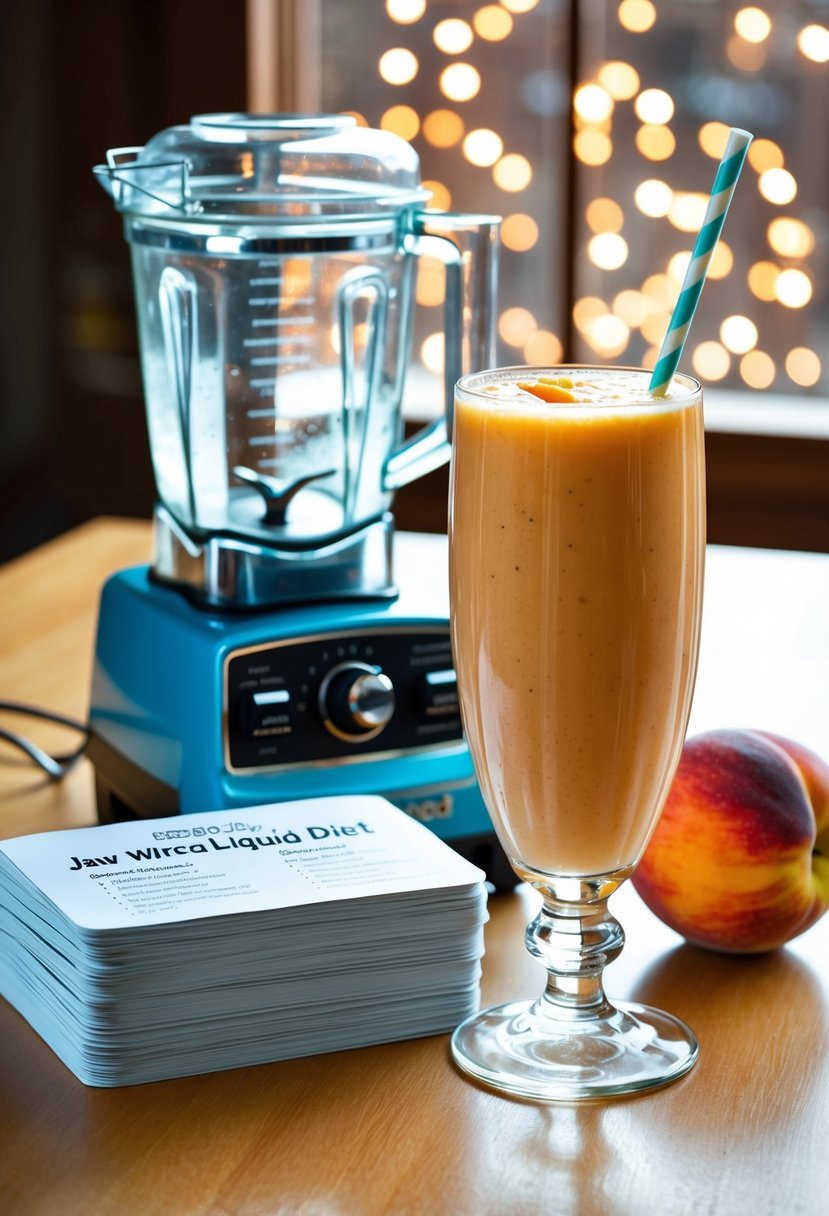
{"points": [[356, 701]]}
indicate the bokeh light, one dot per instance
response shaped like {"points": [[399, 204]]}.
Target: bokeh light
{"points": [[757, 369], [752, 24], [482, 147], [713, 137], [431, 282], [677, 265], [762, 278], [790, 237], [586, 310], [512, 173], [637, 16], [492, 23], [608, 335], [404, 12], [655, 142], [402, 120], [592, 103], [441, 199], [722, 261], [633, 307], [747, 56], [607, 250], [460, 82], [519, 232], [793, 288], [452, 36], [443, 128], [398, 66], [592, 147], [739, 334], [813, 43], [516, 326], [777, 186], [519, 6], [765, 154], [803, 366], [687, 211], [653, 197], [604, 215], [654, 106], [619, 79], [432, 353], [711, 361], [543, 348]]}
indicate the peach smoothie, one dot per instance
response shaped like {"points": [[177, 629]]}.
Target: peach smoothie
{"points": [[577, 536]]}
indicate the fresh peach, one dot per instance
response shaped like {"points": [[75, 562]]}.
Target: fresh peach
{"points": [[739, 860]]}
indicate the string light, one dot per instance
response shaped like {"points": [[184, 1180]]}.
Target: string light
{"points": [[619, 79], [607, 250], [482, 147], [711, 361], [460, 82], [492, 23], [803, 366], [402, 120], [519, 232], [398, 66], [637, 16], [512, 173], [813, 43], [405, 12], [452, 36], [777, 185], [752, 24], [739, 334], [757, 369], [517, 325], [443, 128]]}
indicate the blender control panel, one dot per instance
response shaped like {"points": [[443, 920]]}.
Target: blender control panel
{"points": [[338, 696]]}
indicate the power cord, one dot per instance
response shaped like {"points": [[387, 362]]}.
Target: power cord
{"points": [[57, 766]]}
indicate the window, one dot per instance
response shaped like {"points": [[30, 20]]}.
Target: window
{"points": [[595, 129]]}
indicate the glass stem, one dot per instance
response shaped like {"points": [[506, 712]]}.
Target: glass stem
{"points": [[575, 940]]}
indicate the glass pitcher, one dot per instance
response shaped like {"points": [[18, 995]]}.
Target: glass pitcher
{"points": [[274, 259]]}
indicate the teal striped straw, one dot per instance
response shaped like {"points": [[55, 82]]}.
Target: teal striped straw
{"points": [[721, 194]]}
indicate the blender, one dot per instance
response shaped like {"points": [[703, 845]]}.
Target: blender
{"points": [[270, 651]]}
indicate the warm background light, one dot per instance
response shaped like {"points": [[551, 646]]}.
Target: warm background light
{"points": [[586, 310], [441, 199], [519, 6], [793, 288], [620, 80], [813, 42], [404, 12], [790, 237], [460, 82], [654, 106], [398, 66], [604, 215], [711, 361], [777, 185], [713, 137], [431, 282], [482, 147], [677, 265], [687, 211], [633, 307], [543, 348], [517, 325], [655, 143], [492, 23], [739, 334], [653, 197], [592, 147], [443, 128], [762, 277], [452, 36], [608, 335], [432, 353], [402, 120], [803, 366], [757, 369], [519, 232], [752, 24], [607, 250], [722, 262], [765, 154], [512, 173], [636, 15], [592, 103]]}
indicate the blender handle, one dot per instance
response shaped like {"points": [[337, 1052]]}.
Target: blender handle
{"points": [[177, 308], [431, 446]]}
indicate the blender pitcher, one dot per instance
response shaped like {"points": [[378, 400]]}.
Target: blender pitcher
{"points": [[273, 260]]}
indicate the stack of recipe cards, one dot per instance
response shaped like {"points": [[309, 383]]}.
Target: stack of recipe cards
{"points": [[162, 948]]}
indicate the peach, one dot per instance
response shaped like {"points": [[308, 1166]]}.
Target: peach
{"points": [[739, 861]]}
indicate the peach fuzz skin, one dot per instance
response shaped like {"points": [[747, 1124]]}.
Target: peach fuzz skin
{"points": [[739, 861]]}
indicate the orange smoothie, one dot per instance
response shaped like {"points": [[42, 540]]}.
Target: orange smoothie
{"points": [[577, 536]]}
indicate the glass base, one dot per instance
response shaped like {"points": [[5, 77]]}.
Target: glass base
{"points": [[522, 1048]]}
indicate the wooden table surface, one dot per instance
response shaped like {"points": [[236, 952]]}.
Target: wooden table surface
{"points": [[395, 1129]]}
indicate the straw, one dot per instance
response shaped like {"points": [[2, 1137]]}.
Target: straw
{"points": [[721, 194]]}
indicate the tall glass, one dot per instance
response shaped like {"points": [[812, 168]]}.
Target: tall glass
{"points": [[577, 538]]}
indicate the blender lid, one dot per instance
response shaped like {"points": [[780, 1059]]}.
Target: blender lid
{"points": [[264, 167]]}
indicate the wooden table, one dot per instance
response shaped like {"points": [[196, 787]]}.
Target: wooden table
{"points": [[395, 1129]]}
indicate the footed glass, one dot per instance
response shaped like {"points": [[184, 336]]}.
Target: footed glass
{"points": [[577, 537]]}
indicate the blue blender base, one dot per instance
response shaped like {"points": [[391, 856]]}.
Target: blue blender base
{"points": [[192, 711]]}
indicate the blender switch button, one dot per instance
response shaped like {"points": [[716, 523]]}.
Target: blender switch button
{"points": [[439, 693], [266, 713]]}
